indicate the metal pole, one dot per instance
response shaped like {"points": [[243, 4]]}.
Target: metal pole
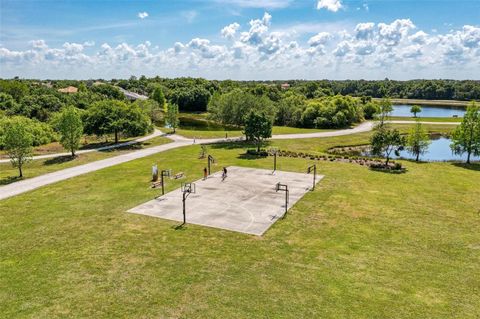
{"points": [[163, 186], [184, 213], [286, 201], [314, 175], [209, 159], [275, 161]]}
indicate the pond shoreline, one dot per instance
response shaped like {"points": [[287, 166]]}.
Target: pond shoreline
{"points": [[450, 103]]}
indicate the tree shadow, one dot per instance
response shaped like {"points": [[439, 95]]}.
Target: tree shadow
{"points": [[230, 145], [59, 160], [247, 156], [10, 179], [473, 166]]}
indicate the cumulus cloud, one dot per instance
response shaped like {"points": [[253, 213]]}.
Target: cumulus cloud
{"points": [[363, 51], [330, 5], [142, 15], [230, 30], [319, 39]]}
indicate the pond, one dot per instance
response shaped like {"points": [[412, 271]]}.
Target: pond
{"points": [[439, 150], [428, 111]]}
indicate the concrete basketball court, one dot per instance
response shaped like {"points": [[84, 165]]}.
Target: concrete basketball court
{"points": [[246, 201]]}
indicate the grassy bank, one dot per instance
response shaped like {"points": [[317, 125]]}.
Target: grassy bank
{"points": [[365, 244]]}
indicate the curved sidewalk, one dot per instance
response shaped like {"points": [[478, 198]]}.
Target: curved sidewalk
{"points": [[103, 148]]}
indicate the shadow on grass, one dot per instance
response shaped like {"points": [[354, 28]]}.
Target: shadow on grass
{"points": [[59, 160], [473, 166], [130, 147], [10, 179]]}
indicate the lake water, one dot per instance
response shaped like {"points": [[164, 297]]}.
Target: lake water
{"points": [[428, 111], [439, 150]]}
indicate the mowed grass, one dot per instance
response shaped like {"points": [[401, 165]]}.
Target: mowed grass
{"points": [[9, 174], [365, 244], [276, 130]]}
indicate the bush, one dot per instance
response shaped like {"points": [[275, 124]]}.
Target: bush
{"points": [[254, 152]]}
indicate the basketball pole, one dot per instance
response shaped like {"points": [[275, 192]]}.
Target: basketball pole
{"points": [[274, 162], [314, 169], [184, 210], [164, 173]]}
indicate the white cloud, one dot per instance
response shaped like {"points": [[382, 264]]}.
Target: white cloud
{"points": [[230, 30], [330, 5], [364, 30], [142, 15], [319, 39], [392, 33]]}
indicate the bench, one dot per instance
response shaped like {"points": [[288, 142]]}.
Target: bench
{"points": [[156, 184], [178, 175]]}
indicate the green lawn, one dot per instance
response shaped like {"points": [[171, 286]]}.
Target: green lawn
{"points": [[9, 174], [365, 244], [199, 133]]}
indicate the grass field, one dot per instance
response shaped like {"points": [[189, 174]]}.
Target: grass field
{"points": [[365, 244], [9, 174], [199, 133]]}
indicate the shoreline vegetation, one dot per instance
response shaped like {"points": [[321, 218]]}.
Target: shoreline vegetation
{"points": [[451, 103]]}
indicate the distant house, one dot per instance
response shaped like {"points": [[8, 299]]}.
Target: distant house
{"points": [[285, 86], [96, 83], [68, 89]]}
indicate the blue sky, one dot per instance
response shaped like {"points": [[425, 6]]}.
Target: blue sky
{"points": [[261, 39]]}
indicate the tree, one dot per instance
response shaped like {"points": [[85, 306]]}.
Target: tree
{"points": [[7, 102], [157, 95], [384, 141], [417, 141], [18, 143], [171, 117], [386, 108], [151, 108], [466, 137], [415, 109], [370, 109], [258, 126], [115, 117], [231, 108], [70, 126], [42, 133]]}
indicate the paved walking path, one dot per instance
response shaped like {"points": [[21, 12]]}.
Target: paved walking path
{"points": [[103, 148], [26, 185]]}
